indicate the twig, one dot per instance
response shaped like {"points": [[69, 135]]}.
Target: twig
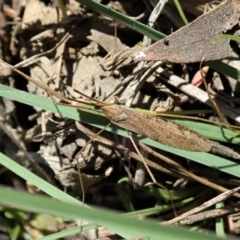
{"points": [[132, 88], [197, 93], [178, 168], [152, 19], [22, 147], [35, 58], [210, 214], [123, 149], [205, 205]]}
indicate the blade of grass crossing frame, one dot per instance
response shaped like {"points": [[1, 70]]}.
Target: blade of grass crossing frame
{"points": [[180, 11], [124, 226], [36, 181], [99, 122]]}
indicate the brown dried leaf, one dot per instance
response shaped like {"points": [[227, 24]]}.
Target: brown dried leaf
{"points": [[198, 39], [37, 11], [103, 35]]}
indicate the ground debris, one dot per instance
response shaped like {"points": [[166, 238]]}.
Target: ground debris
{"points": [[92, 54]]}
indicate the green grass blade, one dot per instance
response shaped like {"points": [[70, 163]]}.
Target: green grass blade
{"points": [[88, 116], [128, 226], [68, 232], [180, 11], [207, 159], [37, 181], [210, 131], [135, 25], [224, 69], [126, 201], [220, 223], [228, 36]]}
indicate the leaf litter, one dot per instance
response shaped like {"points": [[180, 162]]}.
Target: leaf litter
{"points": [[85, 39], [202, 38]]}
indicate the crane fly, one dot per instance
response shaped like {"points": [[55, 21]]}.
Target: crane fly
{"points": [[154, 127]]}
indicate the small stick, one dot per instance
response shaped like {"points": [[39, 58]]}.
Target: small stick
{"points": [[122, 148], [152, 19], [211, 214], [151, 175], [221, 197], [214, 104]]}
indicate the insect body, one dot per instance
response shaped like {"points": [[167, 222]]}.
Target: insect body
{"points": [[156, 128], [164, 131]]}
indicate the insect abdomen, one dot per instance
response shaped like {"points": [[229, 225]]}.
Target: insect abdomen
{"points": [[158, 129]]}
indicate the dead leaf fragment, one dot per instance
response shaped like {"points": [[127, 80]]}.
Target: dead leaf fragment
{"points": [[198, 39]]}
